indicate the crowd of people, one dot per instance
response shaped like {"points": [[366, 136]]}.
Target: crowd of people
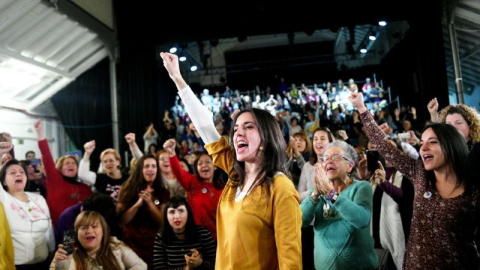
{"points": [[259, 182]]}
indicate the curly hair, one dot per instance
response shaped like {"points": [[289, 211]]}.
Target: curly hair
{"points": [[471, 116]]}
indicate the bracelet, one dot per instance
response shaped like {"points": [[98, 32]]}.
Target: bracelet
{"points": [[330, 195], [314, 196]]}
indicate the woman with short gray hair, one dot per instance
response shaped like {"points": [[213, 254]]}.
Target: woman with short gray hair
{"points": [[341, 207]]}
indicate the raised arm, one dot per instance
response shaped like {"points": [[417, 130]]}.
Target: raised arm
{"points": [[404, 163], [136, 153], [200, 115], [84, 173], [183, 177], [47, 158], [432, 107]]}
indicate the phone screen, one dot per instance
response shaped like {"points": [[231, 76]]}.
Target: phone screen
{"points": [[69, 241], [372, 157]]}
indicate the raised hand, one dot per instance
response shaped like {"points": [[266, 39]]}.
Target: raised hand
{"points": [[357, 100], [234, 114], [5, 147], [39, 129], [170, 145], [170, 62], [379, 176], [432, 107], [130, 138], [396, 112], [362, 170], [6, 137], [413, 110], [89, 147], [413, 140]]}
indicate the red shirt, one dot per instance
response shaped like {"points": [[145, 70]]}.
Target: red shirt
{"points": [[60, 193], [201, 196]]}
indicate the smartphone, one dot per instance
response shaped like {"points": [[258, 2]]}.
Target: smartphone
{"points": [[69, 241], [403, 136], [35, 162], [372, 157]]}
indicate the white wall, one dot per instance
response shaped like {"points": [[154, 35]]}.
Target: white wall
{"points": [[24, 137]]}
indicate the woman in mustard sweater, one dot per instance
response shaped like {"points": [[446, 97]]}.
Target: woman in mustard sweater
{"points": [[258, 214]]}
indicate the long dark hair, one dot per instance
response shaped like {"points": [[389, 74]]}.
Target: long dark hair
{"points": [[272, 157], [168, 234], [217, 181], [136, 182], [455, 152], [313, 156]]}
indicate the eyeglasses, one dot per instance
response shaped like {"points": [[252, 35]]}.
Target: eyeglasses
{"points": [[334, 158]]}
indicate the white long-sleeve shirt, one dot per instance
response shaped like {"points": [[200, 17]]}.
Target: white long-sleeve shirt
{"points": [[30, 226], [201, 117]]}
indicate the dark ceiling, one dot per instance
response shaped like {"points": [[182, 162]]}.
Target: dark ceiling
{"points": [[152, 23]]}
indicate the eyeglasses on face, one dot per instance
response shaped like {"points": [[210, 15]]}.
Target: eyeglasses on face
{"points": [[334, 158]]}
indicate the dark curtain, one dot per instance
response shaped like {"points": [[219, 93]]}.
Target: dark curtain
{"points": [[84, 109], [138, 95]]}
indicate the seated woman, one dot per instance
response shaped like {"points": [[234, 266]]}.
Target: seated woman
{"points": [[96, 249], [29, 218], [203, 188], [342, 209], [109, 179], [63, 186], [181, 244]]}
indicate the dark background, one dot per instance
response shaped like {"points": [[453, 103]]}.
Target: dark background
{"points": [[414, 69]]}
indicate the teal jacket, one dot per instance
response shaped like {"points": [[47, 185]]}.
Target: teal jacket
{"points": [[343, 239]]}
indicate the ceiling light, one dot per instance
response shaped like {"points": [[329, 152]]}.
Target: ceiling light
{"points": [[372, 37], [363, 50], [382, 23], [182, 58], [193, 68], [173, 50]]}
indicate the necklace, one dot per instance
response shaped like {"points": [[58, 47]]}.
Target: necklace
{"points": [[74, 195], [93, 264]]}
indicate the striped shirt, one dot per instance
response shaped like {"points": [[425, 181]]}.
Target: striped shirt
{"points": [[173, 256]]}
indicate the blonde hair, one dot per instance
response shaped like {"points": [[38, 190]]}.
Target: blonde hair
{"points": [[115, 154]]}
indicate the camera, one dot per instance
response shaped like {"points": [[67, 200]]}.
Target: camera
{"points": [[403, 136]]}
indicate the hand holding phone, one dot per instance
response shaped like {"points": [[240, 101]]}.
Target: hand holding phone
{"points": [[69, 241], [373, 157]]}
